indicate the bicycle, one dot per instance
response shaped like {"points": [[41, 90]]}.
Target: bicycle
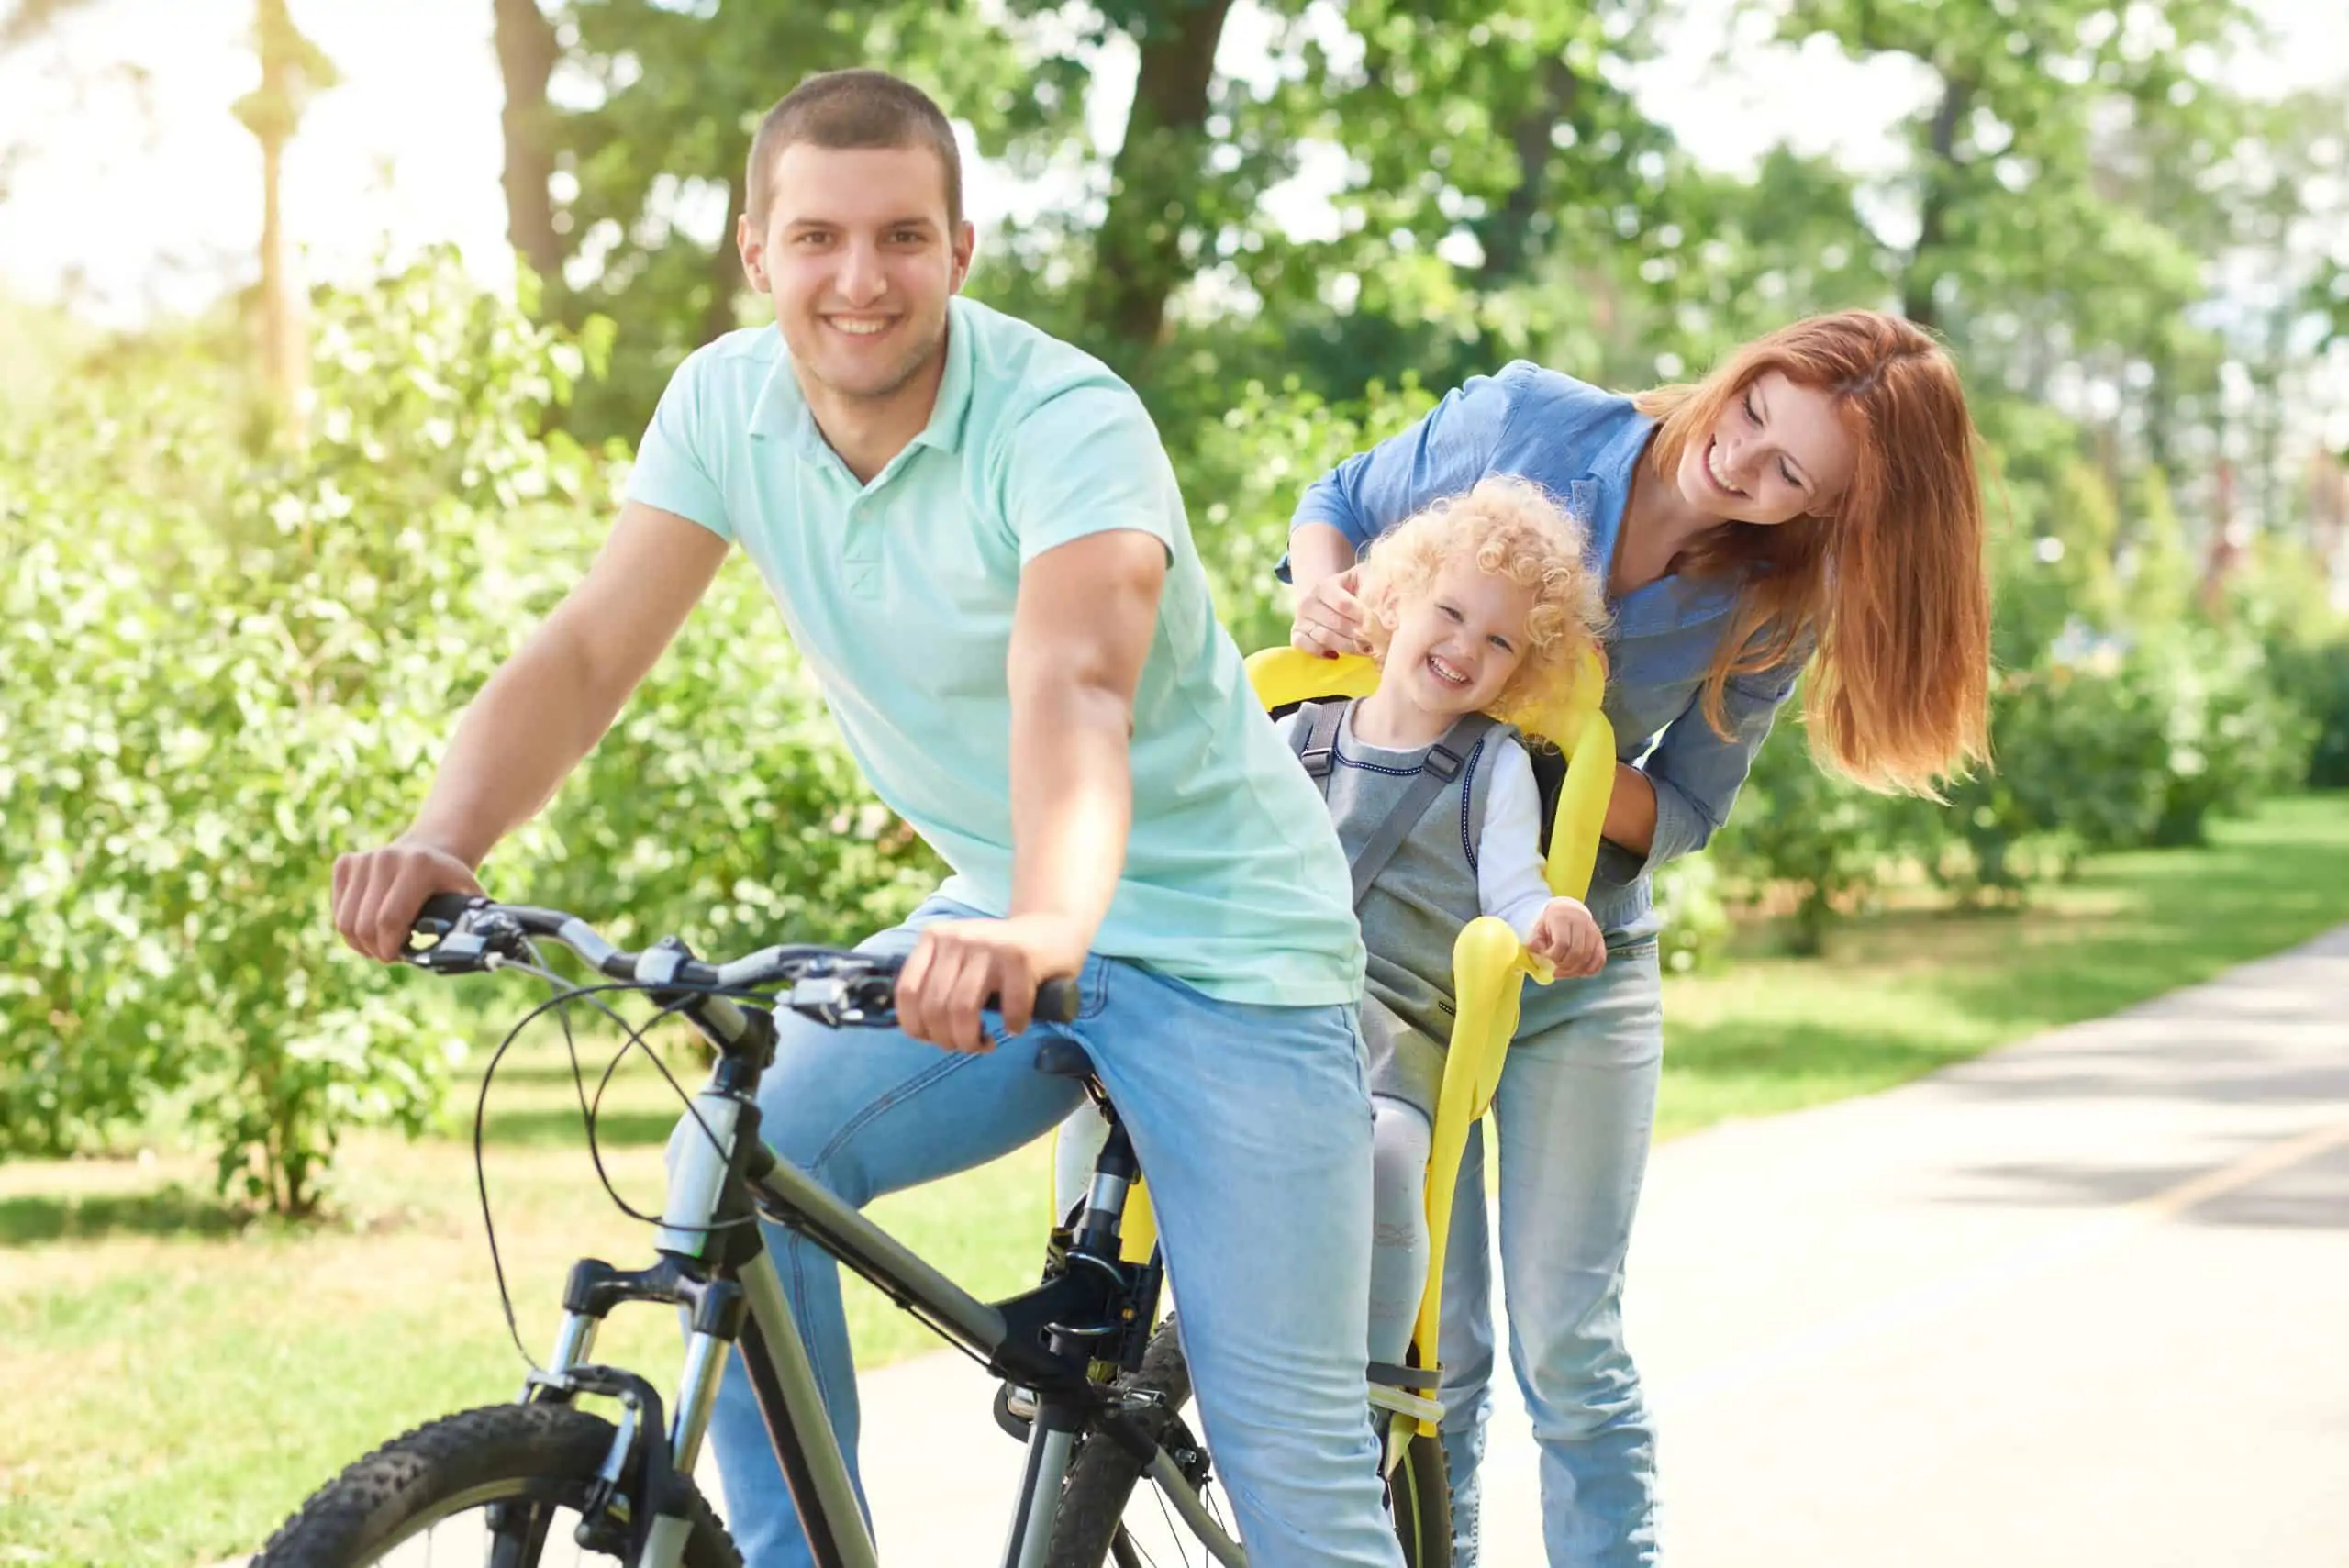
{"points": [[1104, 1388]]}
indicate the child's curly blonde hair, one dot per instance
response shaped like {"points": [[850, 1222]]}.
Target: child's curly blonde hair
{"points": [[1511, 529]]}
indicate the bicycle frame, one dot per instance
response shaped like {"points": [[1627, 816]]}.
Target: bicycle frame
{"points": [[1099, 1307]]}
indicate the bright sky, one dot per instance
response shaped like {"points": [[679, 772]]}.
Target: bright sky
{"points": [[134, 209]]}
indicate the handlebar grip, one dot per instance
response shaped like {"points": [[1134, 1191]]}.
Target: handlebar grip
{"points": [[1056, 1002], [445, 908]]}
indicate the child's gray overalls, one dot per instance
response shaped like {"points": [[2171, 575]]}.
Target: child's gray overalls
{"points": [[1414, 900]]}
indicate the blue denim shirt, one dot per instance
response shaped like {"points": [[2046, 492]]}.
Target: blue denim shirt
{"points": [[1581, 444]]}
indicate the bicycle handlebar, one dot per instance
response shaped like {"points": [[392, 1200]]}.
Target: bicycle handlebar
{"points": [[474, 933]]}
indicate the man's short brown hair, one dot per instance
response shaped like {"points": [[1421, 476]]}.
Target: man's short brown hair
{"points": [[853, 108]]}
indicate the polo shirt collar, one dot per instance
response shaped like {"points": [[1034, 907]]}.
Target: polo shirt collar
{"points": [[781, 411], [952, 409]]}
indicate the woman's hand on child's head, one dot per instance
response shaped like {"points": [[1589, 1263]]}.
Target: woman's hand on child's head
{"points": [[1330, 617], [1565, 935]]}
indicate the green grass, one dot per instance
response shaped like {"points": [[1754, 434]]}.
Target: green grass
{"points": [[177, 1380], [1903, 992]]}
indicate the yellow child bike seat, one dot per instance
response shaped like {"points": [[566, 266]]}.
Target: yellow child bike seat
{"points": [[1488, 964]]}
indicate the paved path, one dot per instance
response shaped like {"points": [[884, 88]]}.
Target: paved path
{"points": [[2083, 1301]]}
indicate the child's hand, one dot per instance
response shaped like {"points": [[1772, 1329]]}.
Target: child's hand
{"points": [[1566, 935]]}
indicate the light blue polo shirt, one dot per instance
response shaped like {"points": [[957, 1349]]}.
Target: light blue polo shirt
{"points": [[899, 595]]}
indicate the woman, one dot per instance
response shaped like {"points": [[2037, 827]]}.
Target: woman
{"points": [[1813, 504]]}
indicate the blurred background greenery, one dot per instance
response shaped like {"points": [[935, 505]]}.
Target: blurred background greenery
{"points": [[265, 531], [326, 327]]}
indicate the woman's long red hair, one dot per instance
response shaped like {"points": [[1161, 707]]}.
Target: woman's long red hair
{"points": [[1889, 582]]}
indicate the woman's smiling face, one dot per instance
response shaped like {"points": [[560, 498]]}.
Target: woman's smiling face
{"points": [[1777, 453]]}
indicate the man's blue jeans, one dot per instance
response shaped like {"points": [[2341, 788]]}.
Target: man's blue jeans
{"points": [[1253, 1126]]}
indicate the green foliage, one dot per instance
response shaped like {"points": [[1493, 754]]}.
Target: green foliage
{"points": [[1696, 918], [2228, 736], [1243, 472], [723, 805], [92, 749], [2316, 680], [2101, 745], [2015, 187], [42, 344], [293, 70], [226, 668], [2081, 767], [2162, 571], [1822, 840], [223, 667]]}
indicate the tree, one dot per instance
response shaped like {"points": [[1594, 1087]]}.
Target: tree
{"points": [[528, 48], [2001, 186], [293, 71], [1147, 243], [1498, 124], [24, 20], [226, 665], [1479, 139]]}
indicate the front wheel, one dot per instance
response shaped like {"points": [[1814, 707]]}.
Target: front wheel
{"points": [[502, 1486], [1109, 1516]]}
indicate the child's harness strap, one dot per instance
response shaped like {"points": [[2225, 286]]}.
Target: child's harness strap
{"points": [[1316, 739]]}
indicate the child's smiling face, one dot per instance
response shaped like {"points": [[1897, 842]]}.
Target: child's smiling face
{"points": [[1456, 645]]}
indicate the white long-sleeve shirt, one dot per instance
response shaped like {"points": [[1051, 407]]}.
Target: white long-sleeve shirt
{"points": [[1508, 850]]}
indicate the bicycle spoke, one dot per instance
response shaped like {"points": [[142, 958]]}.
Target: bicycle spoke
{"points": [[1173, 1527], [1170, 1541]]}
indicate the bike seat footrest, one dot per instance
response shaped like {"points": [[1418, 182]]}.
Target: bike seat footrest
{"points": [[1418, 1407]]}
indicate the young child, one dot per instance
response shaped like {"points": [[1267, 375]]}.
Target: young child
{"points": [[1480, 610]]}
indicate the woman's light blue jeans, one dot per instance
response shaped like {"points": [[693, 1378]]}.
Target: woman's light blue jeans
{"points": [[1254, 1128], [1574, 1113]]}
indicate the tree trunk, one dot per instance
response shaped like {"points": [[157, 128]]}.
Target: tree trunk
{"points": [[1506, 236], [2161, 410], [1136, 257], [292, 70], [285, 337], [1934, 199], [526, 52], [2218, 560], [726, 279]]}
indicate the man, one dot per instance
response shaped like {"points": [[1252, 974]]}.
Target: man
{"points": [[977, 540]]}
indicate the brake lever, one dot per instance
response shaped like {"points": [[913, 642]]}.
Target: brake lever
{"points": [[464, 952], [465, 948], [844, 1001]]}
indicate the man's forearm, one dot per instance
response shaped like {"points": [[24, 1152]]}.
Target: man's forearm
{"points": [[1072, 800], [1317, 551], [1630, 811], [519, 737]]}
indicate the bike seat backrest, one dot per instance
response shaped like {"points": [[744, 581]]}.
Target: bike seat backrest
{"points": [[1287, 678]]}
